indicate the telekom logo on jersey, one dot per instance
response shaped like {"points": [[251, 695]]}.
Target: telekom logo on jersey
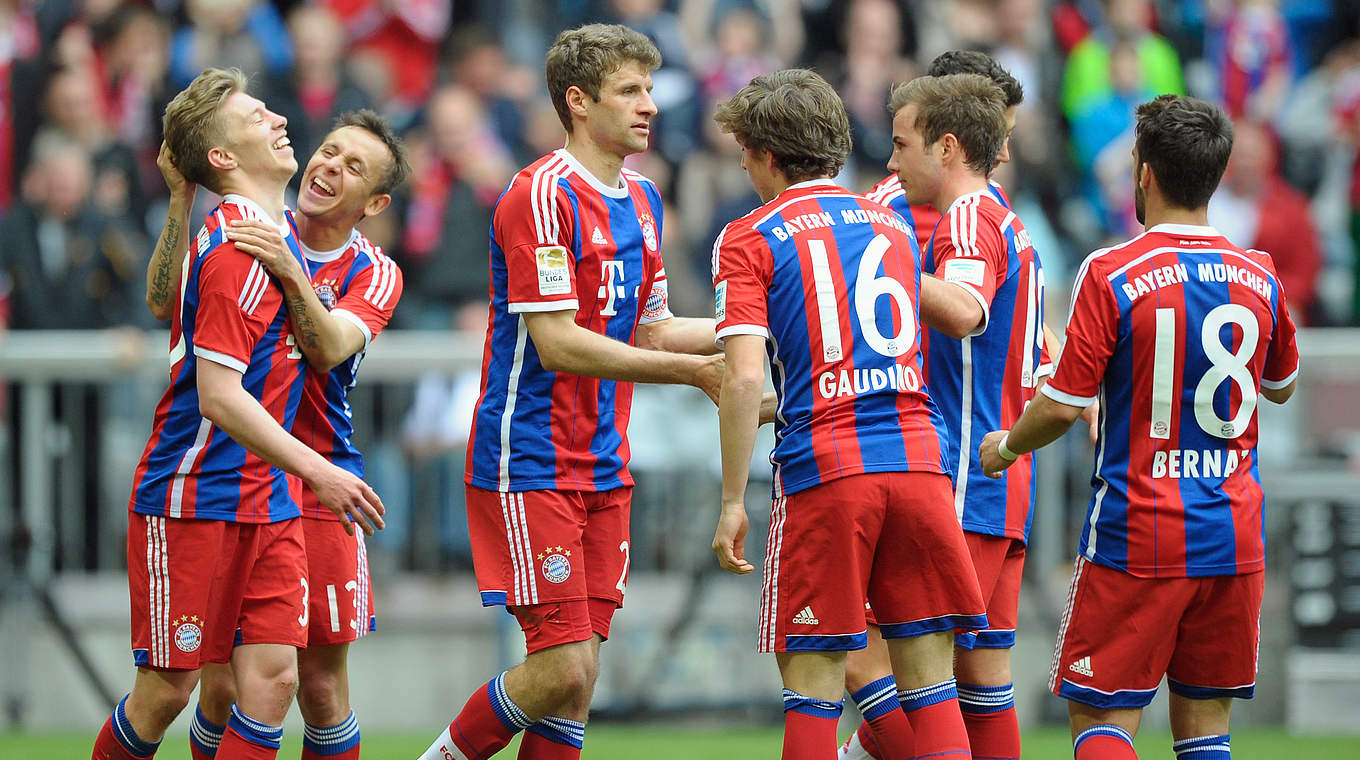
{"points": [[611, 272]]}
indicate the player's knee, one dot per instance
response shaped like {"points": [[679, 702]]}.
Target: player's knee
{"points": [[215, 697], [319, 699], [166, 700]]}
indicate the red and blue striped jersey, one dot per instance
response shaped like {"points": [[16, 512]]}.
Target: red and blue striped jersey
{"points": [[924, 217], [231, 313], [361, 285], [983, 381], [1176, 332], [563, 240], [832, 281]]}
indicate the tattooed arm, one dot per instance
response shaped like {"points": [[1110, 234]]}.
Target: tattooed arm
{"points": [[163, 271], [324, 338]]}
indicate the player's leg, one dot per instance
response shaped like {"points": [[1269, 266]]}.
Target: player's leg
{"points": [[171, 566], [982, 659], [884, 731], [216, 693], [1214, 662], [271, 569], [528, 555], [918, 619], [813, 686], [1103, 734], [330, 730], [340, 611]]}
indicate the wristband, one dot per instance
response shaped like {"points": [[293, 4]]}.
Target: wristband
{"points": [[1004, 451]]}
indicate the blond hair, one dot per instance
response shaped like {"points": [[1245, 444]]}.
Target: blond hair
{"points": [[191, 123], [585, 56], [795, 116], [969, 106]]}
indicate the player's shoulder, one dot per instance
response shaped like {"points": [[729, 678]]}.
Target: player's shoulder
{"points": [[538, 180], [638, 178], [368, 253], [887, 189]]}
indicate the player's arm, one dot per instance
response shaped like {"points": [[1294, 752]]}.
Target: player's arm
{"points": [[949, 308], [1043, 422], [325, 339], [1279, 395], [163, 271], [1091, 414], [564, 346], [743, 385], [683, 335], [223, 401]]}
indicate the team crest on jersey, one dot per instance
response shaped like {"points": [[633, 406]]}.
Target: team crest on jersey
{"points": [[648, 231], [188, 634], [656, 303], [556, 563], [554, 278], [326, 292]]}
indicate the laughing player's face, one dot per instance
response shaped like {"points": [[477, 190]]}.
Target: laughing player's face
{"points": [[916, 166], [257, 138], [342, 174], [620, 121]]}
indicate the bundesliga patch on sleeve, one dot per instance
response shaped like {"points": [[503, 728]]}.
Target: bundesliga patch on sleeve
{"points": [[720, 301], [554, 278], [965, 270]]}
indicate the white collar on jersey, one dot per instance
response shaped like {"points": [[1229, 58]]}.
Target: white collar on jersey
{"points": [[819, 182], [323, 257], [1191, 230], [984, 192], [599, 186], [284, 228]]}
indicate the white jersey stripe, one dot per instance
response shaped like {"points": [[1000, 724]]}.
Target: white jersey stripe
{"points": [[544, 192], [1104, 484], [511, 397], [253, 278], [965, 427], [186, 464]]}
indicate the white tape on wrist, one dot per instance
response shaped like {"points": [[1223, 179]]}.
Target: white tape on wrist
{"points": [[1004, 450]]}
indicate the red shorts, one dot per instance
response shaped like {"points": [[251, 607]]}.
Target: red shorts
{"points": [[1120, 634], [199, 587], [1000, 563], [547, 547], [834, 545], [339, 598]]}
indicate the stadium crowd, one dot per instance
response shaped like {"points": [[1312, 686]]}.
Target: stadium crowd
{"points": [[83, 84]]}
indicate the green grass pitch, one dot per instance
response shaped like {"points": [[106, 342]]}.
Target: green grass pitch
{"points": [[615, 741]]}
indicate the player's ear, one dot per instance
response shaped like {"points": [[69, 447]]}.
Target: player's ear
{"points": [[219, 158], [576, 101], [377, 203]]}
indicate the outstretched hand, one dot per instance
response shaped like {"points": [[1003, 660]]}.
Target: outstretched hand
{"points": [[351, 499]]}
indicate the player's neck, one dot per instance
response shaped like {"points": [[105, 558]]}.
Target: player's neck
{"points": [[603, 165], [956, 186], [319, 235], [266, 197], [1157, 213]]}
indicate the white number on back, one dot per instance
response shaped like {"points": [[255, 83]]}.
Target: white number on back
{"points": [[1226, 365], [868, 288]]}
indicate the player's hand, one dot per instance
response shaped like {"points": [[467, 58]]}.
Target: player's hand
{"points": [[1091, 416], [989, 456], [769, 407], [179, 186], [709, 376], [351, 499], [729, 540], [265, 243]]}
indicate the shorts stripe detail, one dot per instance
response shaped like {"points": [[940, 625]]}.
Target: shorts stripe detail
{"points": [[1055, 668], [363, 614], [931, 625], [527, 549], [158, 574], [1123, 699], [1245, 691], [519, 592], [769, 602], [835, 642]]}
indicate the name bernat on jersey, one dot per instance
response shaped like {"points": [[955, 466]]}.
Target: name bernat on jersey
{"points": [[1174, 274], [1201, 463]]}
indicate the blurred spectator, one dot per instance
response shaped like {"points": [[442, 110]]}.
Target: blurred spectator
{"points": [[68, 265], [1252, 56], [1088, 81], [874, 61], [477, 62], [460, 168], [401, 40], [317, 88], [134, 43], [1025, 48], [72, 107], [247, 34], [673, 87], [1255, 208], [18, 45]]}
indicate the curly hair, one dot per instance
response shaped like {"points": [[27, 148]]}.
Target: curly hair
{"points": [[795, 116]]}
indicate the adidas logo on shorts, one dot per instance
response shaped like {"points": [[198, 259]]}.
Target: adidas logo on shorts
{"points": [[806, 617], [1082, 666]]}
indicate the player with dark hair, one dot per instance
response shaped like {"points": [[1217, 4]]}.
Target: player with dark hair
{"points": [[826, 284], [579, 311], [339, 303], [215, 561], [1178, 333]]}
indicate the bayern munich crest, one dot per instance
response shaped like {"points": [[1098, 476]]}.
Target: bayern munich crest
{"points": [[326, 293], [188, 634], [648, 231], [556, 563]]}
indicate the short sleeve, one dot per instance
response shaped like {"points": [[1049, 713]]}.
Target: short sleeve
{"points": [[1282, 356], [971, 253], [741, 282], [1092, 331], [534, 229], [657, 306], [372, 296], [237, 300]]}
